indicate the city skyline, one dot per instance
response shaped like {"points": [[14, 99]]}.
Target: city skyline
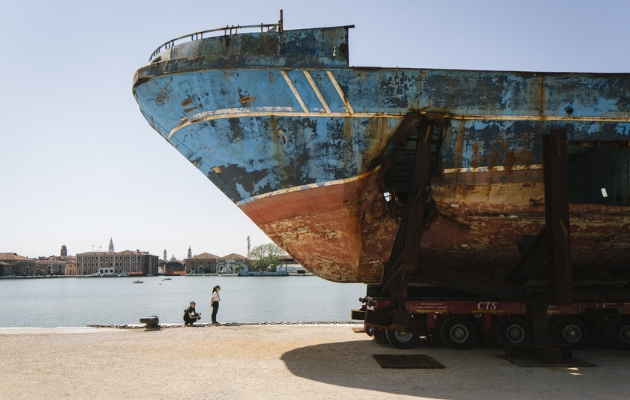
{"points": [[78, 159], [189, 252]]}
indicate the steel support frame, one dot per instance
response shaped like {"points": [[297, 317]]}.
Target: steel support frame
{"points": [[553, 243], [556, 174], [405, 254], [557, 234]]}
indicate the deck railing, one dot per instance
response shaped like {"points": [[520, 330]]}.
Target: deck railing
{"points": [[231, 29]]}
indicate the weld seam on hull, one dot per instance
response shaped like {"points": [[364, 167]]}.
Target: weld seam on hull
{"points": [[317, 92], [295, 92], [309, 186]]}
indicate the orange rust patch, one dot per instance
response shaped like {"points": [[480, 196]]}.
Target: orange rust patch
{"points": [[186, 102], [508, 161], [322, 228], [246, 99], [493, 159], [477, 157]]}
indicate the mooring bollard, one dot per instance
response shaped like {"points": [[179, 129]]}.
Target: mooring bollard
{"points": [[151, 323]]}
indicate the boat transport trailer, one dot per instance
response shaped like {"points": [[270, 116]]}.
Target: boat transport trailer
{"points": [[458, 321]]}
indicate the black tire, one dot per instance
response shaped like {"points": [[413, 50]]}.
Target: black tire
{"points": [[510, 330], [570, 330], [617, 333], [458, 333], [379, 336], [401, 340]]}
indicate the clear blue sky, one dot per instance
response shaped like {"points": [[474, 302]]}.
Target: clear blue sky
{"points": [[79, 164]]}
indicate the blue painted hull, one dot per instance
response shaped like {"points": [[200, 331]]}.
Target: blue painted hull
{"points": [[281, 120]]}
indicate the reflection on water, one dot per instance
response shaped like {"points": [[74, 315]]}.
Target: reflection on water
{"points": [[92, 301]]}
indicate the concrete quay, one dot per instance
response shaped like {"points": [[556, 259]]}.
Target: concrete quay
{"points": [[279, 362]]}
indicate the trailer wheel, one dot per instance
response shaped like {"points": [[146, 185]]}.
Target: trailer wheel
{"points": [[510, 330], [401, 340], [458, 333], [570, 330], [617, 333]]}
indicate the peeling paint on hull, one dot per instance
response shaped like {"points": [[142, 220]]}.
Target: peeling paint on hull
{"points": [[338, 231], [304, 144], [342, 233]]}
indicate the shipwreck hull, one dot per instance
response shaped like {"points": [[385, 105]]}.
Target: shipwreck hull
{"points": [[316, 152]]}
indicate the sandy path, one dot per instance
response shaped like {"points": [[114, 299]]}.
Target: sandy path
{"points": [[279, 362]]}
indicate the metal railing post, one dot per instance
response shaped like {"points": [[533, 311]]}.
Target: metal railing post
{"points": [[233, 28]]}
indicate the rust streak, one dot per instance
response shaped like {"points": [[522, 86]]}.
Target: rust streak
{"points": [[459, 146], [508, 161], [477, 157], [245, 100]]}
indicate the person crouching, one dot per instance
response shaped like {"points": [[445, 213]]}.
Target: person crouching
{"points": [[190, 315]]}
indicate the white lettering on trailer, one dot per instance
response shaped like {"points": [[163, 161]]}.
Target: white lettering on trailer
{"points": [[487, 305]]}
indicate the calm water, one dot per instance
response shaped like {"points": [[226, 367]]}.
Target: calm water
{"points": [[92, 301]]}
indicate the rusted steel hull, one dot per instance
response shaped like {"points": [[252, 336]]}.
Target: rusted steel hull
{"points": [[310, 149]]}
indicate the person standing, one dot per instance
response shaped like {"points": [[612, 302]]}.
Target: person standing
{"points": [[215, 303]]}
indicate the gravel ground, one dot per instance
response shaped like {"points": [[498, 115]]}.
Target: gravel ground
{"points": [[279, 362]]}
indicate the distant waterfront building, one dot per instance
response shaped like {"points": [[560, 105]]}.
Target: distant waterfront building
{"points": [[174, 267], [115, 263], [71, 266], [204, 263], [228, 264], [57, 265], [13, 264]]}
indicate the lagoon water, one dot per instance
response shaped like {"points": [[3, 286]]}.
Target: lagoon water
{"points": [[67, 302]]}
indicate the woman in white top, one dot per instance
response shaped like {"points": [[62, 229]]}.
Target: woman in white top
{"points": [[215, 303]]}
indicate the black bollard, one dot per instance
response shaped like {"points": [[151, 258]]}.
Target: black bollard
{"points": [[151, 323]]}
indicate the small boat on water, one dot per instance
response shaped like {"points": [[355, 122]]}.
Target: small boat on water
{"points": [[167, 279], [137, 281]]}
